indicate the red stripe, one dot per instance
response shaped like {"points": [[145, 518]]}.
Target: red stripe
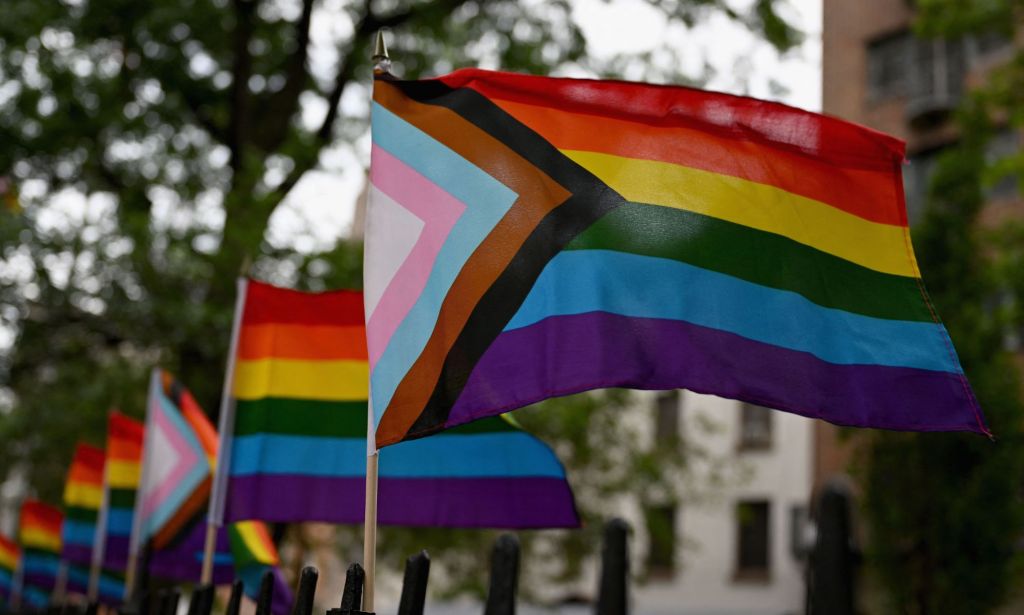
{"points": [[269, 304], [762, 133], [124, 437], [44, 516]]}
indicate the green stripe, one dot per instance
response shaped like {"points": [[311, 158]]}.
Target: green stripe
{"points": [[77, 513], [122, 498], [755, 256], [301, 417], [493, 424], [329, 419]]}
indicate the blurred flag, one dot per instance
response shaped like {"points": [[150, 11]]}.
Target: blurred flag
{"points": [[39, 535], [530, 237], [173, 494], [297, 450], [9, 554], [83, 497], [124, 459]]}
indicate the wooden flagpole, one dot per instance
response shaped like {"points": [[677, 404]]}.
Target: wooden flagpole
{"points": [[225, 427], [381, 65], [99, 541]]}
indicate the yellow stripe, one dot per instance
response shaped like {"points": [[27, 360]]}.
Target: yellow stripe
{"points": [[256, 539], [881, 247], [329, 380], [35, 538], [123, 474], [8, 560], [83, 495]]}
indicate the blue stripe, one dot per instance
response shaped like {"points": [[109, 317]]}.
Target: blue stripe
{"points": [[34, 598], [486, 199], [6, 578], [39, 563], [119, 521], [78, 576], [578, 282], [77, 532], [512, 454], [188, 484]]}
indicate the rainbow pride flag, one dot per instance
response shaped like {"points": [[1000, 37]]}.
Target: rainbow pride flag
{"points": [[123, 466], [298, 451], [530, 237], [83, 497], [9, 555], [39, 534]]}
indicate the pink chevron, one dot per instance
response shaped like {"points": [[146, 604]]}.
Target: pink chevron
{"points": [[185, 461], [439, 211]]}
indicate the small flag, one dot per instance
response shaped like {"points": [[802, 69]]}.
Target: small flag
{"points": [[39, 535], [298, 451], [83, 497], [124, 459], [531, 237], [9, 555]]}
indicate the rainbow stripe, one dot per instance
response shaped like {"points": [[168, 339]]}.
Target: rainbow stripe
{"points": [[299, 446], [9, 555], [530, 237], [39, 534], [83, 497], [124, 459]]}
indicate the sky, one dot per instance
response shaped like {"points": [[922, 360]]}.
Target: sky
{"points": [[320, 208]]}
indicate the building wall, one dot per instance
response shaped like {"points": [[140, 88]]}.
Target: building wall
{"points": [[704, 580]]}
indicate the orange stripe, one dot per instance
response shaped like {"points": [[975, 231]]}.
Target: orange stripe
{"points": [[869, 194], [296, 341], [85, 475]]}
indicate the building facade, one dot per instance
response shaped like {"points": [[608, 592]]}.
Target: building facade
{"points": [[877, 72], [738, 548]]}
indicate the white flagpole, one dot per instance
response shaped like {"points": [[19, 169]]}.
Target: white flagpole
{"points": [[99, 540], [225, 428], [381, 65], [136, 538]]}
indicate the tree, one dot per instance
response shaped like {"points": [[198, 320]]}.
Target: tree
{"points": [[944, 510], [150, 145]]}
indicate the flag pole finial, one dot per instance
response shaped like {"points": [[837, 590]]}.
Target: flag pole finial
{"points": [[381, 59]]}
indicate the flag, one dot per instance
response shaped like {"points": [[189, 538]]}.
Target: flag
{"points": [[9, 554], [298, 446], [111, 585], [83, 497], [180, 445], [39, 535], [124, 458], [530, 237], [178, 456]]}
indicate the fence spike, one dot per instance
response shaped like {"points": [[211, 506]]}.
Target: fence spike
{"points": [[352, 596], [265, 599], [613, 593], [307, 590], [414, 585], [234, 600], [202, 600], [169, 602], [501, 597]]}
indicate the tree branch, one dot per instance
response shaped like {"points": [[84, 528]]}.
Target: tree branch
{"points": [[282, 104], [241, 70]]}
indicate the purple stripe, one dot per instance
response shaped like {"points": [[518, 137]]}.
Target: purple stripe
{"points": [[183, 561], [568, 354], [115, 556], [43, 582], [515, 503], [77, 554]]}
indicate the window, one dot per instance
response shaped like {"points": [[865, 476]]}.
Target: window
{"points": [[982, 47], [753, 541], [666, 424], [936, 79], [755, 427], [917, 176], [661, 529], [888, 66]]}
